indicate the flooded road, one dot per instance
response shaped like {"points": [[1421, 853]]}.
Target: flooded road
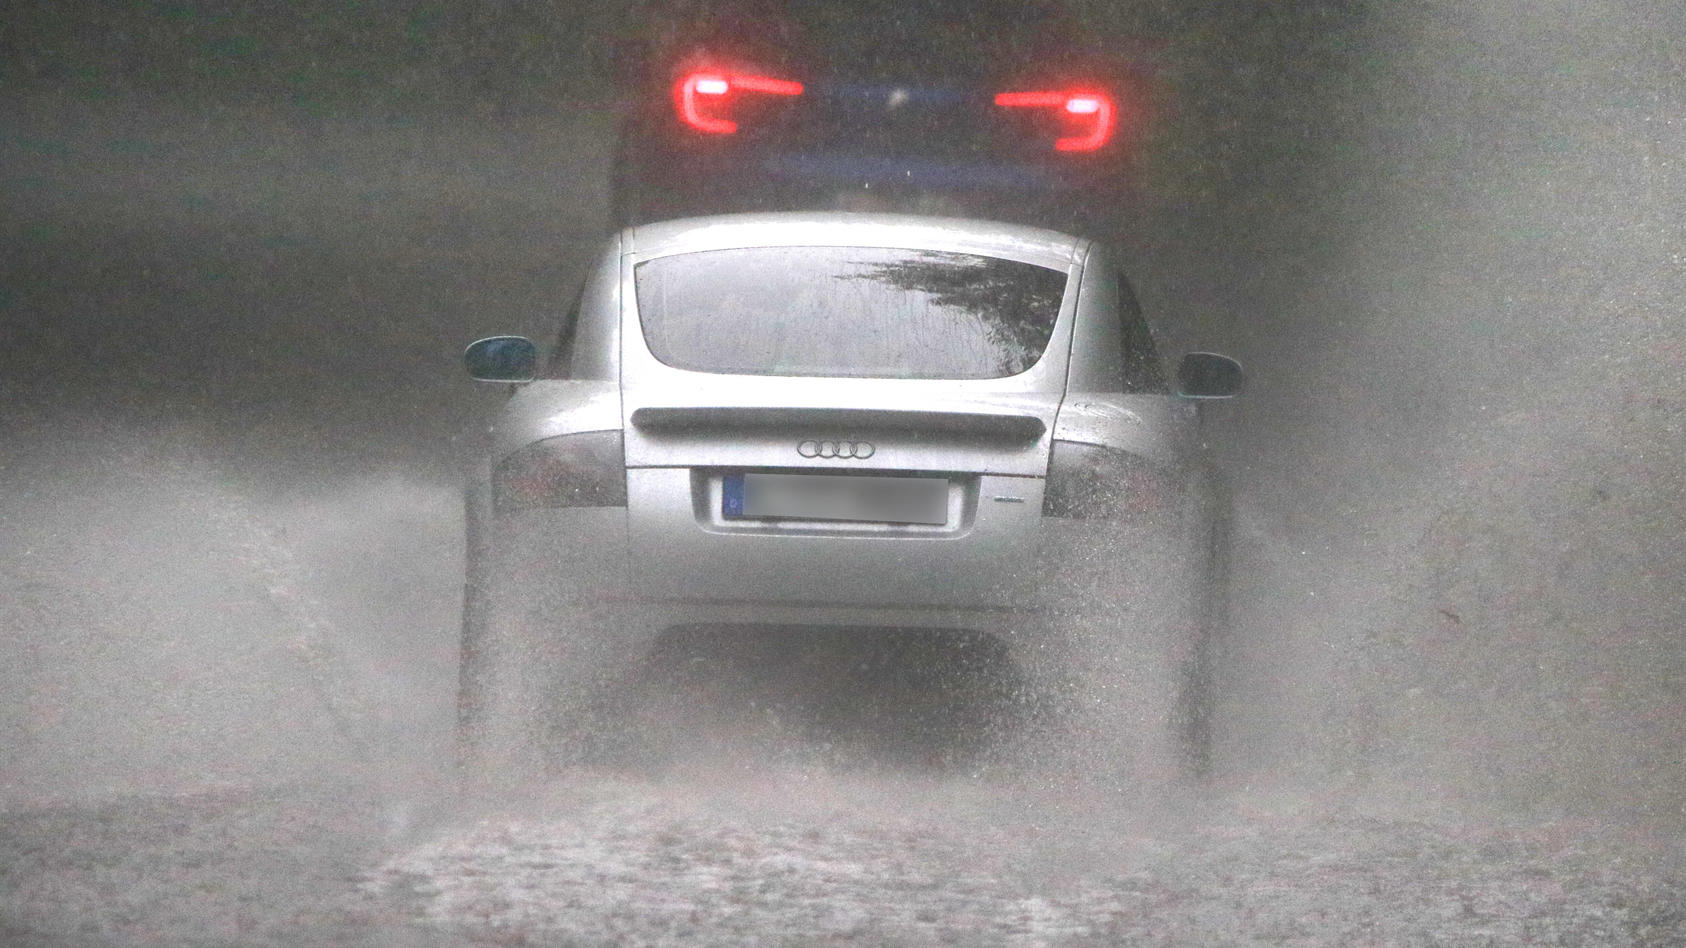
{"points": [[783, 855], [1446, 242]]}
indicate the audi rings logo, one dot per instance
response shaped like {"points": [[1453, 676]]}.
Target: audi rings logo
{"points": [[860, 450]]}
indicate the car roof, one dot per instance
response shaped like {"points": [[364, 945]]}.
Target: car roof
{"points": [[853, 229], [961, 40]]}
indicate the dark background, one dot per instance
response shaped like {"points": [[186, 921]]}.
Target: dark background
{"points": [[244, 244]]}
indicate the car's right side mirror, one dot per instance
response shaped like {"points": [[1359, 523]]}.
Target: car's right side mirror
{"points": [[1209, 375]]}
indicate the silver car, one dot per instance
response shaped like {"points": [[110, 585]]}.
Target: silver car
{"points": [[857, 421]]}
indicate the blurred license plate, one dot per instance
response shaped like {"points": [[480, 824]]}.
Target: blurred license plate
{"points": [[837, 497]]}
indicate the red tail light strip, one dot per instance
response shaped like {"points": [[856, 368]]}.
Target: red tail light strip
{"points": [[696, 92], [1097, 109], [765, 84]]}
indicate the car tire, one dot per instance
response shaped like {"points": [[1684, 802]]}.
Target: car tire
{"points": [[501, 714], [1118, 687], [539, 697], [473, 679], [1212, 626], [539, 664], [1129, 694]]}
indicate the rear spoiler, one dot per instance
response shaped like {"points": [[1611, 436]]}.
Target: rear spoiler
{"points": [[1008, 427]]}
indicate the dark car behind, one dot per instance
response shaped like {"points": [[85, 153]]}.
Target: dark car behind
{"points": [[1007, 110]]}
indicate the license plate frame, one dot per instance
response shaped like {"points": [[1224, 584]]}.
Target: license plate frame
{"points": [[835, 498]]}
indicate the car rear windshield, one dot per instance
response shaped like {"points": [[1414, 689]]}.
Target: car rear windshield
{"points": [[854, 312]]}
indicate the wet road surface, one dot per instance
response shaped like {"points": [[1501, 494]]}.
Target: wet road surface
{"points": [[232, 413], [798, 855]]}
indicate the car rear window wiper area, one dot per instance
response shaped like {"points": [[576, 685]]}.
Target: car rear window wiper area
{"points": [[848, 312]]}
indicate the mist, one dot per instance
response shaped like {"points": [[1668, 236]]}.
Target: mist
{"points": [[1457, 289], [244, 252]]}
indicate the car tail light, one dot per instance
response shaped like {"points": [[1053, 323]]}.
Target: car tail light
{"points": [[704, 99], [577, 470], [1089, 482], [1089, 117]]}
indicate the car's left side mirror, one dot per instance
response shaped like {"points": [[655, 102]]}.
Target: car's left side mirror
{"points": [[1209, 375], [501, 359]]}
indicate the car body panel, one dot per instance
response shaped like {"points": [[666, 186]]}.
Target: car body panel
{"points": [[988, 437], [594, 352], [738, 425], [1009, 242], [1094, 410], [676, 554], [548, 408], [687, 551], [1139, 424]]}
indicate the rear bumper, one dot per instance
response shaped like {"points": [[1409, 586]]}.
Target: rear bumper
{"points": [[550, 564]]}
